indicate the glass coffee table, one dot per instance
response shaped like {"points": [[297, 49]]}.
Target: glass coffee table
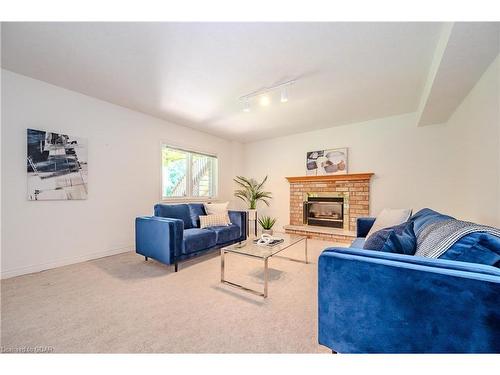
{"points": [[249, 249]]}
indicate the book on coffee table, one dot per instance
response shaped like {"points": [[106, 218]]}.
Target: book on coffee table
{"points": [[274, 242]]}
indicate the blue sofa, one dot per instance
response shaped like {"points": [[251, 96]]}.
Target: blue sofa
{"points": [[173, 234], [380, 302]]}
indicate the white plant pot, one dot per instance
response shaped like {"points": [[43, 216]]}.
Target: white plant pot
{"points": [[252, 214], [267, 231]]}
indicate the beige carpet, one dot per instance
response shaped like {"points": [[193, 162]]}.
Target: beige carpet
{"points": [[124, 304]]}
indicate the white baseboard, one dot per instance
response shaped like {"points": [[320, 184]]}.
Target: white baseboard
{"points": [[62, 262]]}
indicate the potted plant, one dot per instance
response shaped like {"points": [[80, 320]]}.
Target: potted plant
{"points": [[252, 192], [267, 224]]}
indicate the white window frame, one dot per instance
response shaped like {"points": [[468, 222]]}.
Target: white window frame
{"points": [[189, 182]]}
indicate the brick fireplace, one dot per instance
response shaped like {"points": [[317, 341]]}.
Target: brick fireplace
{"points": [[326, 207]]}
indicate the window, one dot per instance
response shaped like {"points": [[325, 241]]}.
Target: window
{"points": [[187, 174]]}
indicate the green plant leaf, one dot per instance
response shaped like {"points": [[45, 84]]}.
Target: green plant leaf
{"points": [[266, 222], [251, 191]]}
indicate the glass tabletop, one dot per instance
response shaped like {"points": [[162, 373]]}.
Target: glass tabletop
{"points": [[249, 248]]}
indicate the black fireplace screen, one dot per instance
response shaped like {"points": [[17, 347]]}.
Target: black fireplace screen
{"points": [[324, 211]]}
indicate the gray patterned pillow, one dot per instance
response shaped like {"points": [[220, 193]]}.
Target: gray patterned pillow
{"points": [[214, 220]]}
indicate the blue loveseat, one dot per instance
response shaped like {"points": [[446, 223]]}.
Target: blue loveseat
{"points": [[174, 234], [380, 302]]}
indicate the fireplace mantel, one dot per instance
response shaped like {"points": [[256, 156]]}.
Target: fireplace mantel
{"points": [[331, 177]]}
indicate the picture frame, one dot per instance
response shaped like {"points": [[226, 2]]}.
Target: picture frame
{"points": [[326, 162], [57, 167]]}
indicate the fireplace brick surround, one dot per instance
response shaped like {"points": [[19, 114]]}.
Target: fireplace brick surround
{"points": [[354, 187]]}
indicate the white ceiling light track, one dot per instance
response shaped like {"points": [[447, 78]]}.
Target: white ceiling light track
{"points": [[264, 97]]}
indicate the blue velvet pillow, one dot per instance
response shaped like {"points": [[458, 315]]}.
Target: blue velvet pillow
{"points": [[397, 239], [377, 240], [401, 242], [479, 247], [195, 210]]}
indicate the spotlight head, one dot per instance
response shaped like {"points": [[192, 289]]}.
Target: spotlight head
{"points": [[284, 95], [246, 107]]}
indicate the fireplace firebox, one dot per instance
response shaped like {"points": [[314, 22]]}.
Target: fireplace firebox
{"points": [[324, 211]]}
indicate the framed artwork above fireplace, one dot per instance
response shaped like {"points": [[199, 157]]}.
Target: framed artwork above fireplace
{"points": [[325, 162]]}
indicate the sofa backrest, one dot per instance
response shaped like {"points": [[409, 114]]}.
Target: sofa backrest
{"points": [[175, 211]]}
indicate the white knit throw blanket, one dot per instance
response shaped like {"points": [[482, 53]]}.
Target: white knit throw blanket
{"points": [[434, 240]]}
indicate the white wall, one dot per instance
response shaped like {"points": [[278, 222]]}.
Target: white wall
{"points": [[475, 132], [453, 167], [498, 125], [124, 175]]}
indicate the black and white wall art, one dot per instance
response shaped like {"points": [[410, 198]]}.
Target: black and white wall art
{"points": [[56, 165], [323, 162]]}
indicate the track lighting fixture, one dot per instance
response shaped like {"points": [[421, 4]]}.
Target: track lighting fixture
{"points": [[264, 96]]}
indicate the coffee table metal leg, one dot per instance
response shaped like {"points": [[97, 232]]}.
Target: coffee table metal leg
{"points": [[227, 282], [222, 265], [266, 277], [305, 248]]}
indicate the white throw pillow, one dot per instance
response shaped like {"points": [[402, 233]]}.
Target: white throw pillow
{"points": [[217, 209], [213, 220], [388, 218]]}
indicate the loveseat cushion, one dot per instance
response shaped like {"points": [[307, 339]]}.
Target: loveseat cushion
{"points": [[196, 239], [175, 211], [195, 210], [478, 247], [226, 233]]}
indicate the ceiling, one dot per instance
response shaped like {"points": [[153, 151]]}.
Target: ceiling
{"points": [[464, 52], [193, 73]]}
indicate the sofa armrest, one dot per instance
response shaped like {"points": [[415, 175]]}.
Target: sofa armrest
{"points": [[374, 302], [240, 219], [159, 238], [363, 226]]}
